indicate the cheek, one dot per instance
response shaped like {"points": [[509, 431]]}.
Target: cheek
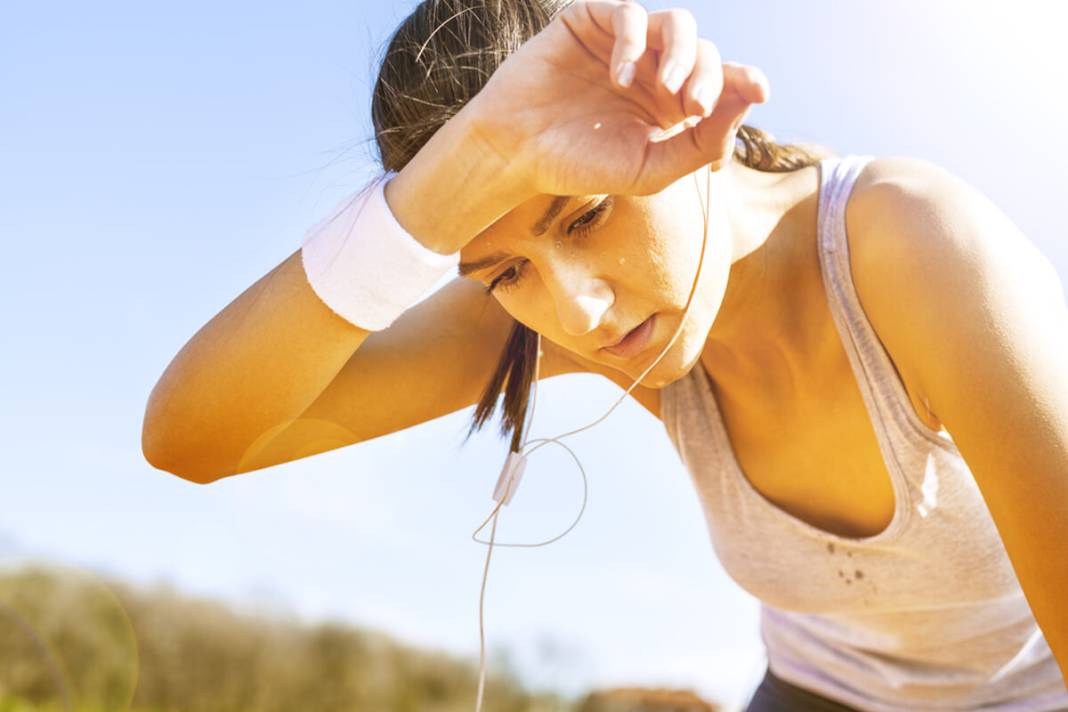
{"points": [[528, 309], [674, 253]]}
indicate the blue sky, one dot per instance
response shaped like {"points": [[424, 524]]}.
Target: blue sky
{"points": [[155, 161]]}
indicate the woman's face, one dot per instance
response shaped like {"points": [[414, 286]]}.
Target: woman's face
{"points": [[603, 264]]}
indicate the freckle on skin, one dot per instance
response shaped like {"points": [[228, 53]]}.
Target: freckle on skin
{"points": [[859, 574], [849, 554], [840, 574], [830, 547]]}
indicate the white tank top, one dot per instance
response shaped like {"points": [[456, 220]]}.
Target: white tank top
{"points": [[927, 614]]}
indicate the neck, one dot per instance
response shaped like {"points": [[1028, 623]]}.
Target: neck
{"points": [[759, 331]]}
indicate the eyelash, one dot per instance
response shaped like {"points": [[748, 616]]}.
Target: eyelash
{"points": [[582, 226]]}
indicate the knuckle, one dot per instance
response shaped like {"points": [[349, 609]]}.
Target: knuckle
{"points": [[631, 11], [708, 50], [683, 18]]}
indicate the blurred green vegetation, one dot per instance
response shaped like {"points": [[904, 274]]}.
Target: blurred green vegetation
{"points": [[73, 642]]}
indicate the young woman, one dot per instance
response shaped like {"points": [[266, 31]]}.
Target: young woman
{"points": [[868, 385]]}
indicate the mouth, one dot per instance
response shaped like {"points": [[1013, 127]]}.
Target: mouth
{"points": [[635, 341]]}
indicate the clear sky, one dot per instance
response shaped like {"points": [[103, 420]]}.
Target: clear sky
{"points": [[156, 160]]}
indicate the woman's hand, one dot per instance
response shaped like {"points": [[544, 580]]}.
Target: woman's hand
{"points": [[557, 110]]}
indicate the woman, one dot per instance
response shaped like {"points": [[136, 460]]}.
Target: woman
{"points": [[877, 425]]}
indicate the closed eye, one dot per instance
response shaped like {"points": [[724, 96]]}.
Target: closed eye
{"points": [[590, 217], [583, 225]]}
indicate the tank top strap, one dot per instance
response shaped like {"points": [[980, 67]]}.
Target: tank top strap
{"points": [[876, 374], [838, 174]]}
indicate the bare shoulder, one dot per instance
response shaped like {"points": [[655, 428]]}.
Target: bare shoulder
{"points": [[888, 184], [905, 201], [922, 239], [910, 218], [885, 227]]}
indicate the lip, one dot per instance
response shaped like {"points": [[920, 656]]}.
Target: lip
{"points": [[635, 341]]}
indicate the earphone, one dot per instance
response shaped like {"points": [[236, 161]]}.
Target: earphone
{"points": [[515, 464]]}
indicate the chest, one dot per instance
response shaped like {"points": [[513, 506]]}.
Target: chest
{"points": [[816, 454], [798, 425]]}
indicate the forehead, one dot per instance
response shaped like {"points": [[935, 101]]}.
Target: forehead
{"points": [[530, 220]]}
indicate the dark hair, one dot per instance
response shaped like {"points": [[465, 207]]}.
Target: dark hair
{"points": [[436, 61]]}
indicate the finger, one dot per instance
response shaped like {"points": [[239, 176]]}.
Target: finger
{"points": [[630, 27], [706, 81], [750, 81], [677, 29], [710, 142]]}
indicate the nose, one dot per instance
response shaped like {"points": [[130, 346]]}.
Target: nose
{"points": [[580, 297]]}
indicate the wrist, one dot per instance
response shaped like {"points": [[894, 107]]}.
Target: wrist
{"points": [[454, 187]]}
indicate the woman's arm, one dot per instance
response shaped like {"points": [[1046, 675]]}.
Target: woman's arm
{"points": [[260, 364], [983, 329], [246, 376]]}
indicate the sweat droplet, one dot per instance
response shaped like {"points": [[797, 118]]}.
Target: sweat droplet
{"points": [[597, 125], [622, 260]]}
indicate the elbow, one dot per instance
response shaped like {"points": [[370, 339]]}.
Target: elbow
{"points": [[185, 473], [166, 445], [178, 469], [159, 454]]}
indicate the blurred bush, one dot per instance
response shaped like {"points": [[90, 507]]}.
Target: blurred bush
{"points": [[62, 647], [73, 642], [636, 699]]}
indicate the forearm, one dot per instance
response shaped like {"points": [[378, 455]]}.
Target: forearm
{"points": [[455, 186], [259, 363], [245, 375]]}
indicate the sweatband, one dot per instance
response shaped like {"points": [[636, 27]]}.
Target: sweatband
{"points": [[365, 266]]}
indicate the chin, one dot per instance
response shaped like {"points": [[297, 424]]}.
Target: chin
{"points": [[680, 359]]}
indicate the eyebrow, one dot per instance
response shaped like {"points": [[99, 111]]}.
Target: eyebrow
{"points": [[539, 228]]}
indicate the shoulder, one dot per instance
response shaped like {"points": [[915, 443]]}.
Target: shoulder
{"points": [[894, 192], [936, 263], [914, 215]]}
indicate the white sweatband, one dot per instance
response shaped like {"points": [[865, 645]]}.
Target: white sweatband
{"points": [[365, 266]]}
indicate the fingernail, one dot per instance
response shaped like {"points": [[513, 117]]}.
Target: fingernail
{"points": [[674, 77], [757, 77], [626, 73], [766, 86], [702, 93]]}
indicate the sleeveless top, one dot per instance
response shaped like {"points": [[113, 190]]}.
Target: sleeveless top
{"points": [[925, 615]]}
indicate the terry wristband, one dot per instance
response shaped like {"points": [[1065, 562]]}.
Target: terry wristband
{"points": [[365, 266]]}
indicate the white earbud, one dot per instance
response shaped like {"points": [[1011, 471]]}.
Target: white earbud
{"points": [[511, 473]]}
